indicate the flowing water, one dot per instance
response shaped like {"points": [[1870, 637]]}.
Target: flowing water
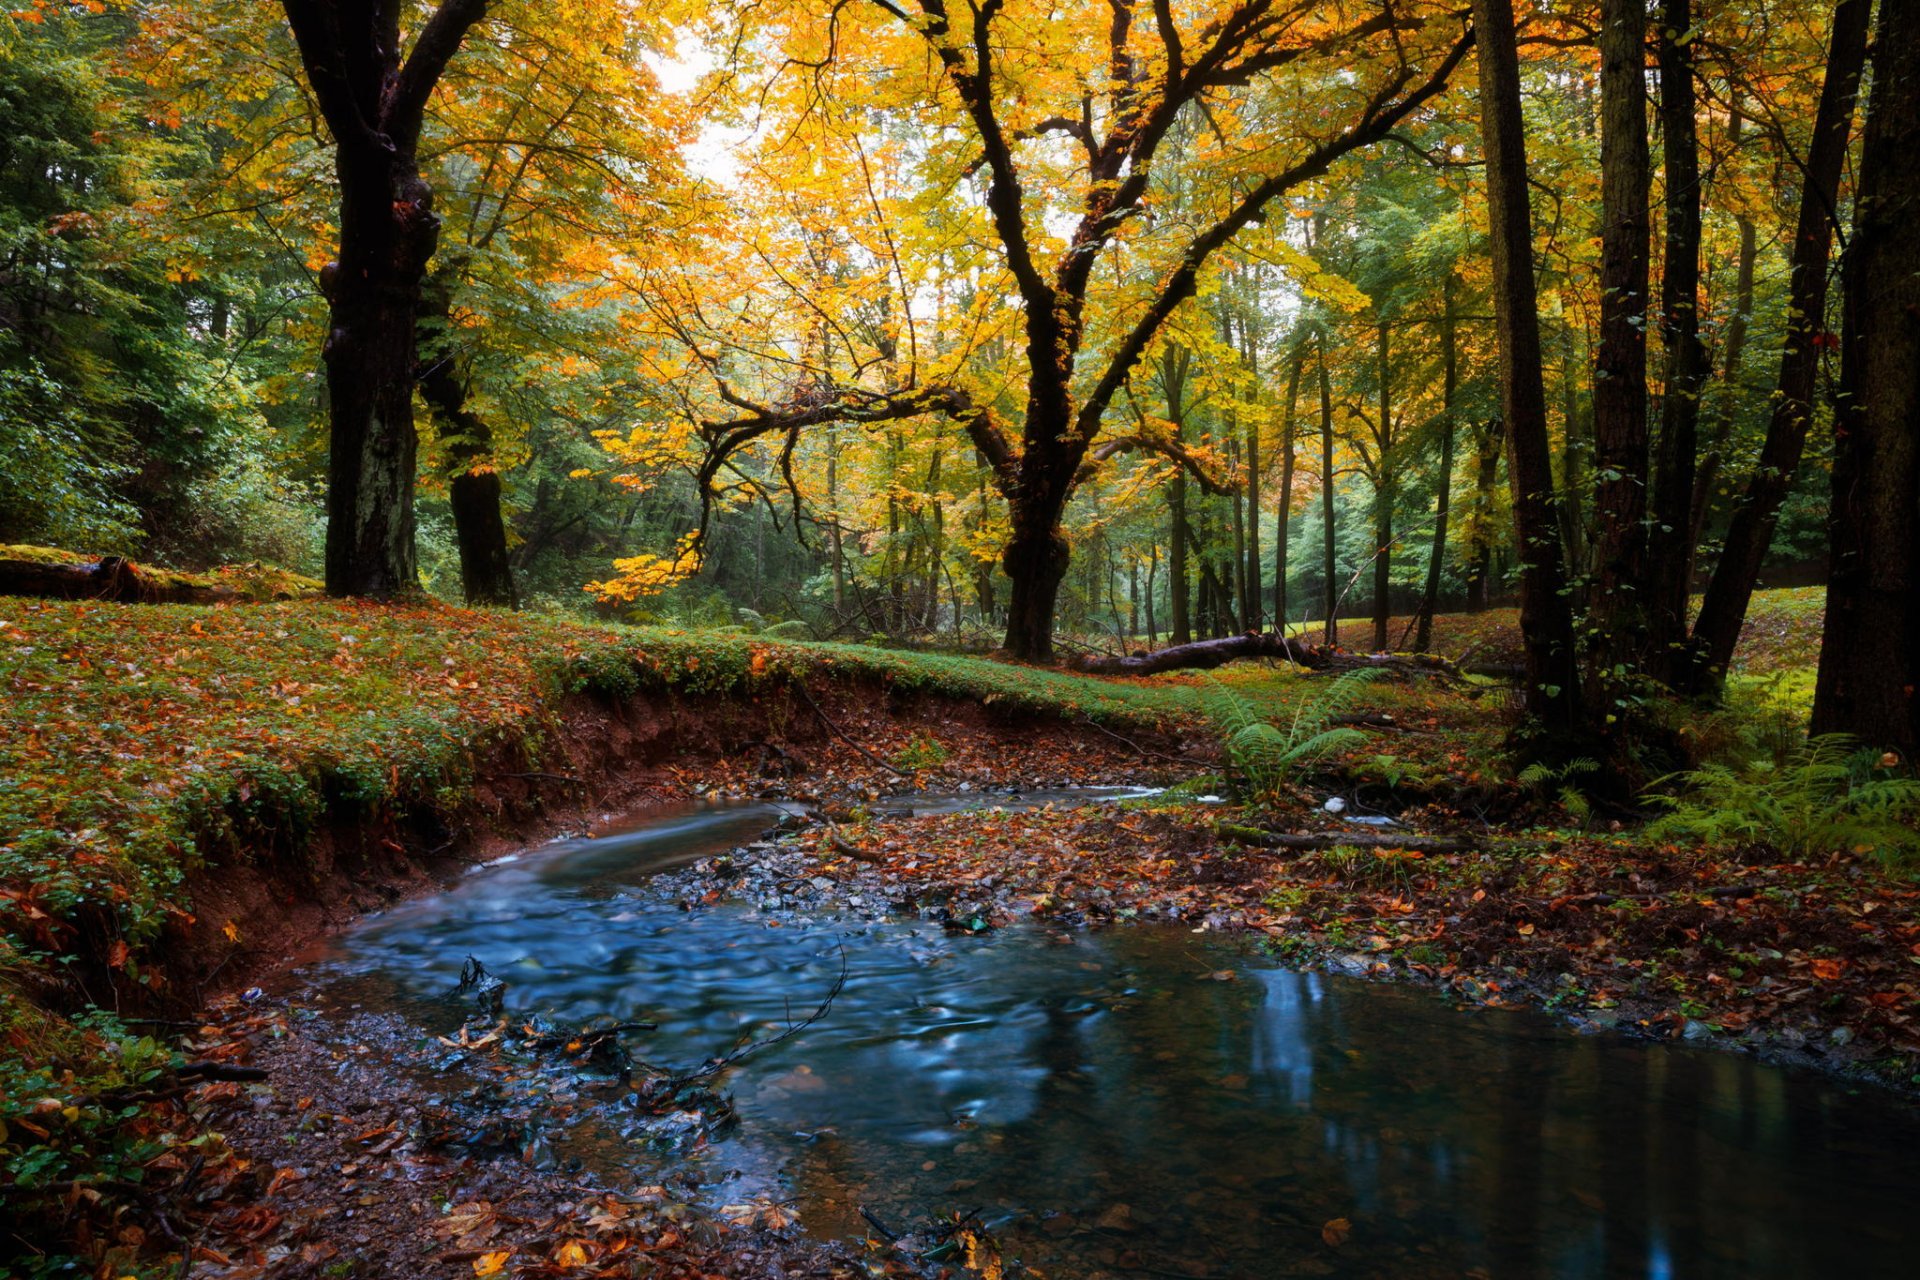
{"points": [[1147, 1101]]}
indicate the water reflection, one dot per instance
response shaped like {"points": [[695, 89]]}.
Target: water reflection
{"points": [[1118, 1108]]}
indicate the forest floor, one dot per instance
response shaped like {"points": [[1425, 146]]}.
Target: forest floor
{"points": [[152, 755]]}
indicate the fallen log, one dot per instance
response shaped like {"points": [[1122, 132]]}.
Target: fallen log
{"points": [[1308, 842], [111, 578], [1202, 655]]}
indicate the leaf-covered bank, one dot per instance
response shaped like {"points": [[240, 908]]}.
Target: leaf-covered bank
{"points": [[1814, 961]]}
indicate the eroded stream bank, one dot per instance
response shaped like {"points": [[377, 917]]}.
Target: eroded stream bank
{"points": [[1129, 1101]]}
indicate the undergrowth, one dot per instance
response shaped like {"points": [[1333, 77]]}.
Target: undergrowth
{"points": [[1268, 755], [1826, 796]]}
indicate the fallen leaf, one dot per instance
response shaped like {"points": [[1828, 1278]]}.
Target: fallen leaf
{"points": [[1336, 1231]]}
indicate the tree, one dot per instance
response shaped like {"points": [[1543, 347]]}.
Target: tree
{"points": [[1670, 527], [1619, 620], [1008, 75], [374, 103], [1756, 512], [1546, 618], [1870, 651], [1443, 501]]}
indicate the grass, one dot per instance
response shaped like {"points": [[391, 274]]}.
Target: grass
{"points": [[130, 736]]}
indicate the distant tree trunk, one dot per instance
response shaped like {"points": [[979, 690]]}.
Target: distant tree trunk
{"points": [[1486, 478], [1385, 484], [1282, 513], [1180, 603], [1238, 499], [1252, 598], [1133, 598], [1733, 347], [1449, 381], [1153, 572], [1870, 652], [1572, 474], [1670, 554], [1546, 618], [474, 490], [1619, 603], [374, 104], [1332, 588], [1723, 610], [834, 538]]}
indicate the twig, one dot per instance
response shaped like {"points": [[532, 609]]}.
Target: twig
{"points": [[889, 1235], [800, 687], [715, 1066], [1148, 752]]}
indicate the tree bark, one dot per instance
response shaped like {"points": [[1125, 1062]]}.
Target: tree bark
{"points": [[1723, 610], [374, 104], [1619, 604], [1546, 620], [1670, 553], [1870, 653], [1449, 381]]}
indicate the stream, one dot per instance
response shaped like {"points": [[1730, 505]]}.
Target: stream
{"points": [[1142, 1100]]}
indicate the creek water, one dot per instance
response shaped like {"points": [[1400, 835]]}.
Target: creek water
{"points": [[1145, 1100]]}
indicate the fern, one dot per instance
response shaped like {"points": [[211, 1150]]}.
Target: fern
{"points": [[1827, 797], [1562, 777], [1267, 756]]}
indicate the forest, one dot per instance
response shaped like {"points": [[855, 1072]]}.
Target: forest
{"points": [[1426, 491]]}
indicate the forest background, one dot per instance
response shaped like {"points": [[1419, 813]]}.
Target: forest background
{"points": [[1116, 323]]}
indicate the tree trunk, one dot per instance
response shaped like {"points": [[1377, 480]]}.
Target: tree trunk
{"points": [[1670, 555], [1723, 610], [374, 104], [1331, 590], [474, 491], [1238, 500], [1173, 369], [1383, 495], [1619, 604], [1036, 561], [1486, 477], [1449, 381], [1252, 598], [1870, 653], [1572, 474], [1733, 347], [1546, 619], [387, 233], [1282, 509]]}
